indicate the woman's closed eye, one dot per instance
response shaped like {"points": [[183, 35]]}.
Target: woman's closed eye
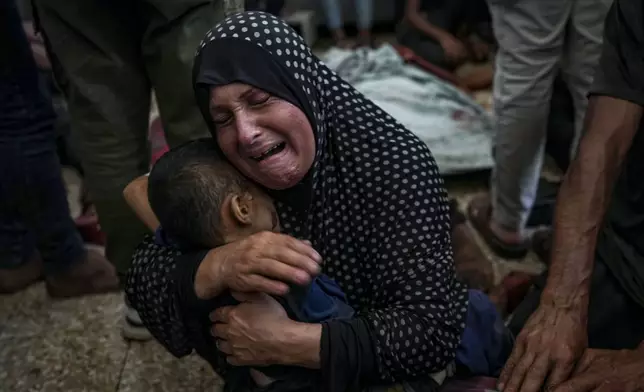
{"points": [[220, 119], [257, 98]]}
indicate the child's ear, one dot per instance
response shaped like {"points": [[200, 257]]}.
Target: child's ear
{"points": [[242, 208]]}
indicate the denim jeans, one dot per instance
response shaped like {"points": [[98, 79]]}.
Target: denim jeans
{"points": [[333, 11], [34, 213]]}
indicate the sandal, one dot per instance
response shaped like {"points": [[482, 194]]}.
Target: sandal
{"points": [[479, 211], [542, 245]]}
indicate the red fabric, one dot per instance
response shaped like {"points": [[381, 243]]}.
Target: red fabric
{"points": [[409, 56], [473, 384]]}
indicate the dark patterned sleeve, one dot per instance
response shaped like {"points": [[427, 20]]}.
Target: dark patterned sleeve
{"points": [[418, 310], [154, 287], [418, 306], [410, 300]]}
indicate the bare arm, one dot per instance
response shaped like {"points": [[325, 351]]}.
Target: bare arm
{"points": [[136, 196], [416, 19], [584, 197]]}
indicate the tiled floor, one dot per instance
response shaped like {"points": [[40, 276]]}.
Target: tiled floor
{"points": [[75, 345]]}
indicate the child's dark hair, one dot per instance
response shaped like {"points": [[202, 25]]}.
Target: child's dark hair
{"points": [[186, 189]]}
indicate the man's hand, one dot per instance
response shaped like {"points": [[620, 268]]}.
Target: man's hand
{"points": [[547, 347], [607, 371], [455, 50]]}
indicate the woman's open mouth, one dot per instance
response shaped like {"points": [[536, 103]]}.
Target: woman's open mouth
{"points": [[276, 149]]}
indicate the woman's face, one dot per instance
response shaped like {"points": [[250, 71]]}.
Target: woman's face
{"points": [[266, 138]]}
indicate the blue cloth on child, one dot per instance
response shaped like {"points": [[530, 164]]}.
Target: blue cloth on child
{"points": [[485, 345], [322, 300]]}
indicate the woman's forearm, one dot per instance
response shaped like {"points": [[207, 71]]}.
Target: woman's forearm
{"points": [[300, 344]]}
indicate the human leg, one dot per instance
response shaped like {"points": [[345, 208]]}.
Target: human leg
{"points": [[96, 52], [333, 13], [35, 212], [583, 48], [530, 36], [364, 15], [169, 45]]}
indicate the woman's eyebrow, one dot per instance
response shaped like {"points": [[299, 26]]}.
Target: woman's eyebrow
{"points": [[248, 92], [244, 95]]}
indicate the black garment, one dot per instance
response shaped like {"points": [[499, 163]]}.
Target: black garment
{"points": [[473, 16], [621, 75], [615, 321], [373, 205], [271, 6]]}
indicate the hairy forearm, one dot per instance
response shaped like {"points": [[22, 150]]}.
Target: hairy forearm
{"points": [[584, 198]]}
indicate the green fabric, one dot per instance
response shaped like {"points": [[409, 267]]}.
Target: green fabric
{"points": [[109, 55]]}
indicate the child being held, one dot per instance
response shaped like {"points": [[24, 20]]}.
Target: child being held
{"points": [[202, 202]]}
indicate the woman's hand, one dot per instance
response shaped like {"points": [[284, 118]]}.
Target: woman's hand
{"points": [[607, 371], [264, 262], [259, 333]]}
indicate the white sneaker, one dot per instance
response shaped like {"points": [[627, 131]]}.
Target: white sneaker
{"points": [[133, 328]]}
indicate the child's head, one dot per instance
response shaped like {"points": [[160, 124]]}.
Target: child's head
{"points": [[202, 201]]}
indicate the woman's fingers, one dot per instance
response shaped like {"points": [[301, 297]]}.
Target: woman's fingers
{"points": [[220, 331], [221, 315], [224, 347], [262, 284], [277, 270], [303, 248], [294, 260]]}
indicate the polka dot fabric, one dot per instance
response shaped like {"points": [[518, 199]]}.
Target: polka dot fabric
{"points": [[378, 215]]}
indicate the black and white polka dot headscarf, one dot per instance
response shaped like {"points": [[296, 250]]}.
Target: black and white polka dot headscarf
{"points": [[373, 204]]}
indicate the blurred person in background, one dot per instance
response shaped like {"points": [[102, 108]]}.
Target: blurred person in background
{"points": [[108, 57], [536, 41], [446, 33], [273, 7], [364, 20], [582, 328], [37, 234]]}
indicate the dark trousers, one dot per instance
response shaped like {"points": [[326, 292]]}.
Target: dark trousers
{"points": [[108, 57], [615, 321], [273, 7], [34, 213], [471, 16]]}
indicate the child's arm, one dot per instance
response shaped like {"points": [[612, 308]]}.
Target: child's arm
{"points": [[136, 196]]}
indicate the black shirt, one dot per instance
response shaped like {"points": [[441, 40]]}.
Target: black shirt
{"points": [[620, 75]]}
